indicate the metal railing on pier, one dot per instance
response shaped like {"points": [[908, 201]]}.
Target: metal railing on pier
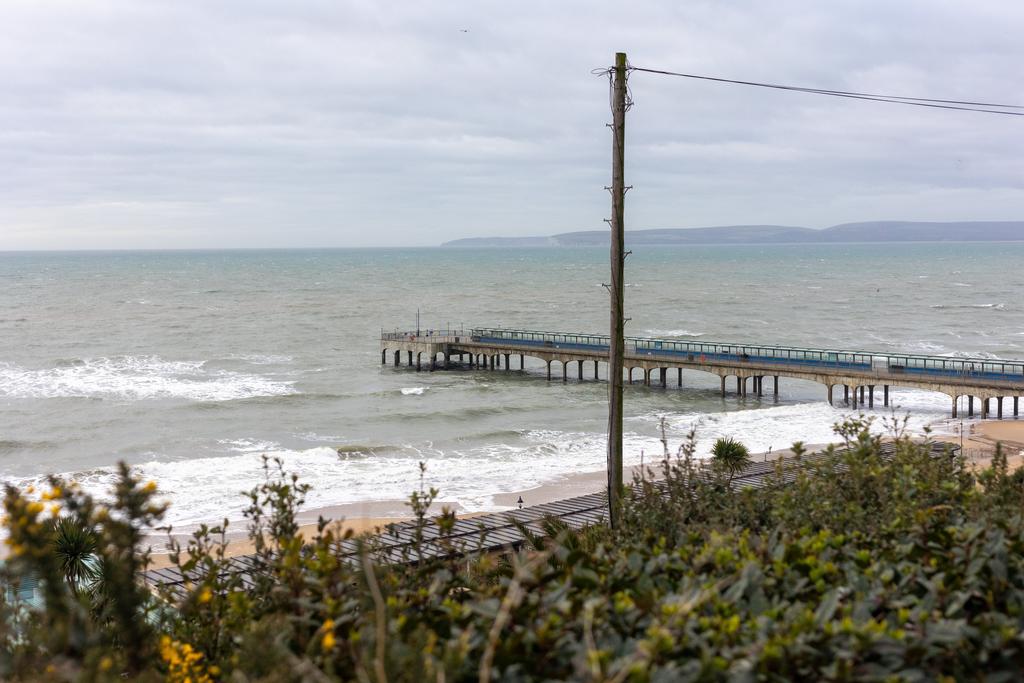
{"points": [[425, 334], [906, 364]]}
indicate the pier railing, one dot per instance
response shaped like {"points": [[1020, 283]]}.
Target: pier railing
{"points": [[420, 335], [908, 364]]}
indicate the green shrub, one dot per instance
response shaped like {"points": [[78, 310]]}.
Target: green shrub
{"points": [[857, 567], [730, 456]]}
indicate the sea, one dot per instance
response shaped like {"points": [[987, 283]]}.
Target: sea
{"points": [[192, 366]]}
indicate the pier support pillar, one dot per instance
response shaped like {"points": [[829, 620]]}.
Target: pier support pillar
{"points": [[739, 385], [565, 371], [680, 376], [743, 387], [522, 361], [508, 365], [854, 392], [984, 409], [775, 387], [846, 394], [723, 386], [871, 396], [398, 358], [579, 370], [664, 378], [885, 395], [384, 357], [409, 358], [595, 370], [1015, 400], [447, 359], [830, 394], [760, 386], [629, 373], [999, 408], [433, 362], [647, 377], [862, 395], [970, 406], [418, 359], [954, 408], [549, 371]]}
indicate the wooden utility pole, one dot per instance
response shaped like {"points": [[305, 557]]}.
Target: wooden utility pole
{"points": [[617, 290]]}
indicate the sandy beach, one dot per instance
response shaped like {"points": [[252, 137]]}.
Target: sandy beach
{"points": [[979, 444], [980, 439]]}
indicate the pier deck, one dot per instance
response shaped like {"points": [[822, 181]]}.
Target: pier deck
{"points": [[857, 373]]}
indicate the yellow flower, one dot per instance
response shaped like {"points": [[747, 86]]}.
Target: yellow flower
{"points": [[329, 641], [205, 595], [150, 487]]}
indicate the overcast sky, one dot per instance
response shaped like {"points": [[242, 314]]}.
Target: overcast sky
{"points": [[263, 123]]}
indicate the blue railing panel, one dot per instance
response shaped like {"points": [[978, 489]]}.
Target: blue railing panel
{"points": [[932, 366]]}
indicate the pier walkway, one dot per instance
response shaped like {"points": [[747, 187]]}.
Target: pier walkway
{"points": [[857, 373]]}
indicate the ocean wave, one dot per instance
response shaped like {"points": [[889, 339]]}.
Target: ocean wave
{"points": [[16, 445], [413, 391], [673, 333], [930, 347], [470, 472], [995, 307], [262, 359], [984, 355], [135, 378]]}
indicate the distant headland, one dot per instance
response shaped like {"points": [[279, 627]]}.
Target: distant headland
{"points": [[876, 231]]}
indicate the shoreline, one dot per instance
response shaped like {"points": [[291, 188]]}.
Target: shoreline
{"points": [[373, 516]]}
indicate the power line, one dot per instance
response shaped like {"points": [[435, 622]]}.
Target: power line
{"points": [[959, 105]]}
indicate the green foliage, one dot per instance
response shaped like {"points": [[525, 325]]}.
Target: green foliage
{"points": [[857, 567], [730, 456], [74, 544]]}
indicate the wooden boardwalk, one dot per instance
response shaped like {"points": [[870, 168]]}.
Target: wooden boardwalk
{"points": [[493, 532]]}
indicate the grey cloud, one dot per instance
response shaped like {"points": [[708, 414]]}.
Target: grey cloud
{"points": [[180, 124]]}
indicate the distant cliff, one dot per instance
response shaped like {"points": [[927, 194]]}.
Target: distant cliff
{"points": [[877, 231]]}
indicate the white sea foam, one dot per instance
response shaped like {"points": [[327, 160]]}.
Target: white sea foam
{"points": [[413, 391], [135, 378], [673, 333], [996, 306], [927, 346], [247, 445], [209, 489]]}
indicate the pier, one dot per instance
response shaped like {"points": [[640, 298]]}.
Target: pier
{"points": [[863, 377]]}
